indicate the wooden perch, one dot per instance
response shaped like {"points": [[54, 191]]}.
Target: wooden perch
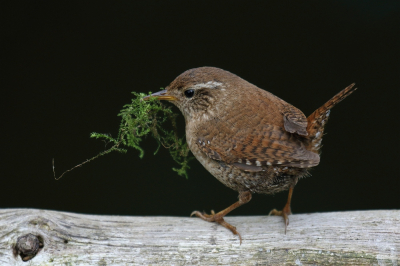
{"points": [[61, 238]]}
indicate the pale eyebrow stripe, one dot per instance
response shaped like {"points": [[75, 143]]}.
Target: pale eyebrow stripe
{"points": [[209, 85]]}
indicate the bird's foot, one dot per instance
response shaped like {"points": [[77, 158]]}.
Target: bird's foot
{"points": [[215, 217], [284, 213]]}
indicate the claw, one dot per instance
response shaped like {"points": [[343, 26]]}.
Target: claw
{"points": [[244, 197], [218, 219], [286, 210], [205, 216], [282, 213]]}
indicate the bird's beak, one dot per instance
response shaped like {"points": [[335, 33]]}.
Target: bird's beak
{"points": [[161, 95]]}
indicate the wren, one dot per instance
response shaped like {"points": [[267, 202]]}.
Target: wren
{"points": [[249, 139]]}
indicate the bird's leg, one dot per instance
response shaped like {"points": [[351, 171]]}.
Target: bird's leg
{"points": [[244, 197], [286, 210]]}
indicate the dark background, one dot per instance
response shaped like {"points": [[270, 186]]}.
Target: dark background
{"points": [[69, 67]]}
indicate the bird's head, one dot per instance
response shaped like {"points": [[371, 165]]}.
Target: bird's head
{"points": [[200, 92]]}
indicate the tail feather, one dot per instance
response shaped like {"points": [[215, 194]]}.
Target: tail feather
{"points": [[317, 120]]}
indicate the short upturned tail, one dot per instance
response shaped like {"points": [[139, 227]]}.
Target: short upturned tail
{"points": [[317, 120]]}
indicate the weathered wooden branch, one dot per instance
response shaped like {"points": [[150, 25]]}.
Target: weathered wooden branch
{"points": [[61, 238]]}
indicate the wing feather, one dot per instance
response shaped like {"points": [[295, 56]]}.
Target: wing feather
{"points": [[264, 145]]}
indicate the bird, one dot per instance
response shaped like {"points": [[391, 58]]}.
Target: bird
{"points": [[246, 137]]}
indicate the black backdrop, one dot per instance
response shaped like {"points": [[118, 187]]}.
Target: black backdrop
{"points": [[69, 67]]}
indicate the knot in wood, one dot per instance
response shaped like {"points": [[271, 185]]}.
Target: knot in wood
{"points": [[27, 246]]}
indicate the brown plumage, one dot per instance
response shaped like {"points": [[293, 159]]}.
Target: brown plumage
{"points": [[246, 137]]}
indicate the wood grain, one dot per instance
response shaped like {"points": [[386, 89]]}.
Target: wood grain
{"points": [[340, 238]]}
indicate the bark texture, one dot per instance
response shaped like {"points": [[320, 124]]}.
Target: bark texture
{"points": [[339, 238]]}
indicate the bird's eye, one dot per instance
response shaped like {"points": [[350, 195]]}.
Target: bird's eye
{"points": [[189, 93]]}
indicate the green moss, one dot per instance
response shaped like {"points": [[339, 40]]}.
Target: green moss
{"points": [[138, 120], [142, 118]]}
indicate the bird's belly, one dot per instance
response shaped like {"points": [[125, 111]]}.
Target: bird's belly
{"points": [[270, 181]]}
